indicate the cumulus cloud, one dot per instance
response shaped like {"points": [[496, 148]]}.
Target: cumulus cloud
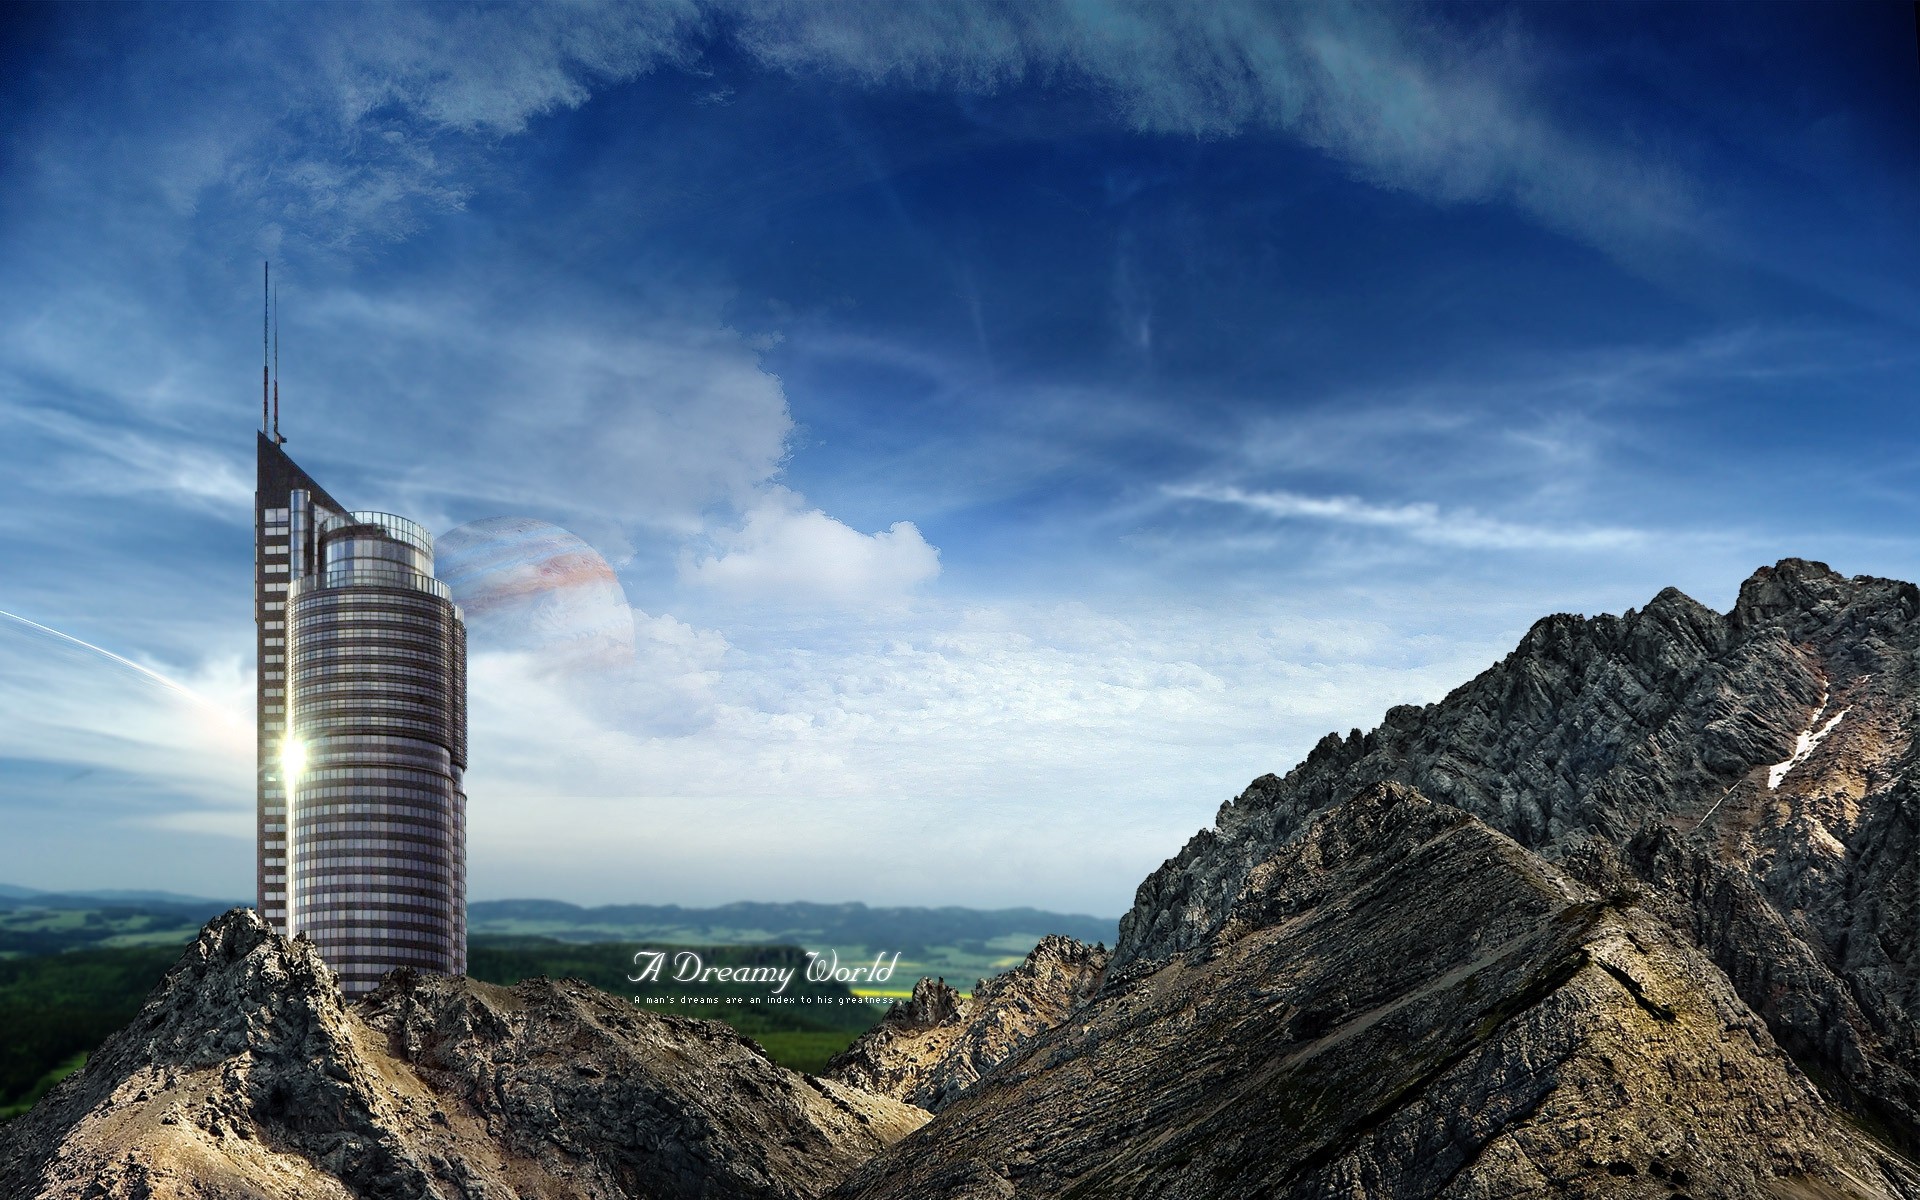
{"points": [[1422, 522], [784, 550]]}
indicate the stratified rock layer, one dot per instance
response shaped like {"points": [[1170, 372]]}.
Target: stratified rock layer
{"points": [[1402, 1002], [1753, 771], [1671, 886], [935, 1046], [245, 1076]]}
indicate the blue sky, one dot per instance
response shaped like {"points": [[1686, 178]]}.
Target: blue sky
{"points": [[1014, 427]]}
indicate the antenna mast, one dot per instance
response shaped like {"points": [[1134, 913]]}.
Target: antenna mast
{"points": [[277, 439], [266, 293]]}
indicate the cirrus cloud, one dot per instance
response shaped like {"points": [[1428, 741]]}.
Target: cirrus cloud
{"points": [[1422, 522]]}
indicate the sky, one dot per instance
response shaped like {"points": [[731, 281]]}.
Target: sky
{"points": [[1014, 427]]}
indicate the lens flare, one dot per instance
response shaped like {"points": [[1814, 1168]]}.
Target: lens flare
{"points": [[293, 760]]}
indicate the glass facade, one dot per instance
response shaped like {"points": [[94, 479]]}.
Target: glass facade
{"points": [[362, 737]]}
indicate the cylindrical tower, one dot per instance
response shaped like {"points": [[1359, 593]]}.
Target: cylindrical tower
{"points": [[377, 743]]}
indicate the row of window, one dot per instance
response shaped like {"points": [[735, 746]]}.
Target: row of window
{"points": [[380, 605], [373, 799], [325, 873], [396, 527], [367, 952], [387, 637], [338, 800], [313, 834], [430, 688], [372, 654], [347, 850], [357, 664], [418, 868], [434, 911], [356, 758], [317, 719], [379, 773], [349, 695], [374, 928], [348, 913], [429, 901], [385, 745], [436, 833]]}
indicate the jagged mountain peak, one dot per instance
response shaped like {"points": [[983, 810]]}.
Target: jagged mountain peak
{"points": [[1403, 1003], [1774, 742], [246, 1075]]}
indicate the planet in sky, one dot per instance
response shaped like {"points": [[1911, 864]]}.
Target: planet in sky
{"points": [[529, 585]]}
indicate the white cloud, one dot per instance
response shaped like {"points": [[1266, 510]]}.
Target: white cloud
{"points": [[645, 420], [117, 742], [785, 551], [98, 461], [395, 108], [982, 755], [492, 70], [1422, 522], [1406, 102]]}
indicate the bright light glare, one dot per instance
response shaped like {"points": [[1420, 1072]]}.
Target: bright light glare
{"points": [[293, 758]]}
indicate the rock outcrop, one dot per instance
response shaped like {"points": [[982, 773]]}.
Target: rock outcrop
{"points": [[1753, 771], [246, 1075], [1653, 935], [1401, 1002], [933, 1047]]}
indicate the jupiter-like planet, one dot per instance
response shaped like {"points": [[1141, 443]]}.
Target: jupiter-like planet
{"points": [[531, 586]]}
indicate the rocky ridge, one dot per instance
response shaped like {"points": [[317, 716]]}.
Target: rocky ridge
{"points": [[1671, 886], [1403, 1002], [246, 1075], [930, 1049], [1752, 772]]}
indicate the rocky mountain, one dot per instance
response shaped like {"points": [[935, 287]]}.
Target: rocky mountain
{"points": [[1632, 914], [1752, 772], [930, 1049], [246, 1076], [1401, 1002], [1648, 931]]}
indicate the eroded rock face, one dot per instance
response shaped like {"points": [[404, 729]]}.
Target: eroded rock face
{"points": [[1753, 771], [1401, 1002], [245, 1075], [931, 1049]]}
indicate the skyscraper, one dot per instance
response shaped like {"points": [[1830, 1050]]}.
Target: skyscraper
{"points": [[362, 732]]}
